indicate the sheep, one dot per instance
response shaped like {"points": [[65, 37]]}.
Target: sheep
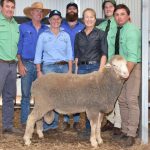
{"points": [[94, 93]]}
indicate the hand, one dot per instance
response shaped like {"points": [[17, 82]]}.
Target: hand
{"points": [[22, 69], [39, 74]]}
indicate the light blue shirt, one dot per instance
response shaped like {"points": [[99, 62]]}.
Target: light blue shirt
{"points": [[53, 48]]}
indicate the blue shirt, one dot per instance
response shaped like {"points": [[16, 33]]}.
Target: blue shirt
{"points": [[51, 48], [72, 31], [28, 39]]}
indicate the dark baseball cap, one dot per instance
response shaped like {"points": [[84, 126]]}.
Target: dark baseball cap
{"points": [[111, 1], [72, 4], [55, 12]]}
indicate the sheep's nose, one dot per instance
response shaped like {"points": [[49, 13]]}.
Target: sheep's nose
{"points": [[126, 74]]}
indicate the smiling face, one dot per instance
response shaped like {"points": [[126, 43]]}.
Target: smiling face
{"points": [[121, 16], [8, 9], [108, 9], [72, 14], [55, 21], [37, 14], [89, 18]]}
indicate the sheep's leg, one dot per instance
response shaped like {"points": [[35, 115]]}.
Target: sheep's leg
{"points": [[98, 128], [92, 116], [93, 135], [33, 117], [39, 128], [30, 127]]}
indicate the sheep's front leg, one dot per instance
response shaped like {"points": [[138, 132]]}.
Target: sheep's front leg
{"points": [[29, 128], [93, 135], [98, 128]]}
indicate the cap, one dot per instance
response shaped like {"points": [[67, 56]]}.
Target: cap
{"points": [[72, 4], [55, 12], [111, 1]]}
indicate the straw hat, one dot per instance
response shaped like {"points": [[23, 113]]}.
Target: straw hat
{"points": [[36, 5]]}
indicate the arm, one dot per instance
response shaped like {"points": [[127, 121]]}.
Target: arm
{"points": [[69, 54], [21, 68], [104, 48], [38, 70], [102, 63], [130, 66]]}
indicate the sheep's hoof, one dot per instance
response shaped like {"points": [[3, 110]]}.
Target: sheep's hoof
{"points": [[40, 134], [27, 142], [94, 143], [100, 141]]}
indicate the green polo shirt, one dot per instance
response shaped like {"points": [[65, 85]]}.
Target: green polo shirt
{"points": [[110, 36], [130, 43], [9, 36]]}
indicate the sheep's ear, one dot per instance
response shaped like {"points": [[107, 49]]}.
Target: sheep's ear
{"points": [[107, 65]]}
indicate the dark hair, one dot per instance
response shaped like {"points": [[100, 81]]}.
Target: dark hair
{"points": [[2, 2], [111, 1], [122, 6]]}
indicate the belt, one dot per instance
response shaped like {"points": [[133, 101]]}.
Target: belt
{"points": [[61, 63], [87, 62], [28, 60], [8, 61]]}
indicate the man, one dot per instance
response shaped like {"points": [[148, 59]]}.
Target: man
{"points": [[9, 35], [130, 49], [29, 33], [110, 27], [72, 26]]}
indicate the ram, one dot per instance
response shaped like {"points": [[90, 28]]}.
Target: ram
{"points": [[94, 93]]}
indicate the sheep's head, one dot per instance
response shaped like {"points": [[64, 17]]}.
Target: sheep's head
{"points": [[119, 64]]}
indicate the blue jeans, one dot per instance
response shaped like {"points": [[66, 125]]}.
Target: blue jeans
{"points": [[84, 69], [57, 69], [26, 83]]}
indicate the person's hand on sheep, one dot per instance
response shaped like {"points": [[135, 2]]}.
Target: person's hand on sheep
{"points": [[39, 74]]}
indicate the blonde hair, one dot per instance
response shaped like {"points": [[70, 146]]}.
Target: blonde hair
{"points": [[89, 9]]}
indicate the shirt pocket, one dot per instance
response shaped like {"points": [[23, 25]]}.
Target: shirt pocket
{"points": [[28, 37], [4, 34]]}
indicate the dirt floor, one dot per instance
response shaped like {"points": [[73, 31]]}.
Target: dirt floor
{"points": [[62, 140]]}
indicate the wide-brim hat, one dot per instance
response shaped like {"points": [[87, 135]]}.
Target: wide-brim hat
{"points": [[36, 5]]}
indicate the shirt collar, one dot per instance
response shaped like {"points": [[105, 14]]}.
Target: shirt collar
{"points": [[4, 18], [42, 24]]}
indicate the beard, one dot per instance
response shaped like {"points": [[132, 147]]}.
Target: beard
{"points": [[71, 17]]}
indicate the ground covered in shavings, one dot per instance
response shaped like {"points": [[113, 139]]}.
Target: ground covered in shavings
{"points": [[62, 140]]}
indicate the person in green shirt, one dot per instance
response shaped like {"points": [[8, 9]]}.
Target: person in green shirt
{"points": [[110, 27], [9, 35], [130, 49]]}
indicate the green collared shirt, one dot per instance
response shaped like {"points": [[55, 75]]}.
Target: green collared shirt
{"points": [[130, 43], [110, 36], [9, 36]]}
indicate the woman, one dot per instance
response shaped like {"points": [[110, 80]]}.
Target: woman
{"points": [[54, 52], [90, 49]]}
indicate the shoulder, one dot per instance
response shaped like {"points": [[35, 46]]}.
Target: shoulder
{"points": [[99, 31], [131, 27]]}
